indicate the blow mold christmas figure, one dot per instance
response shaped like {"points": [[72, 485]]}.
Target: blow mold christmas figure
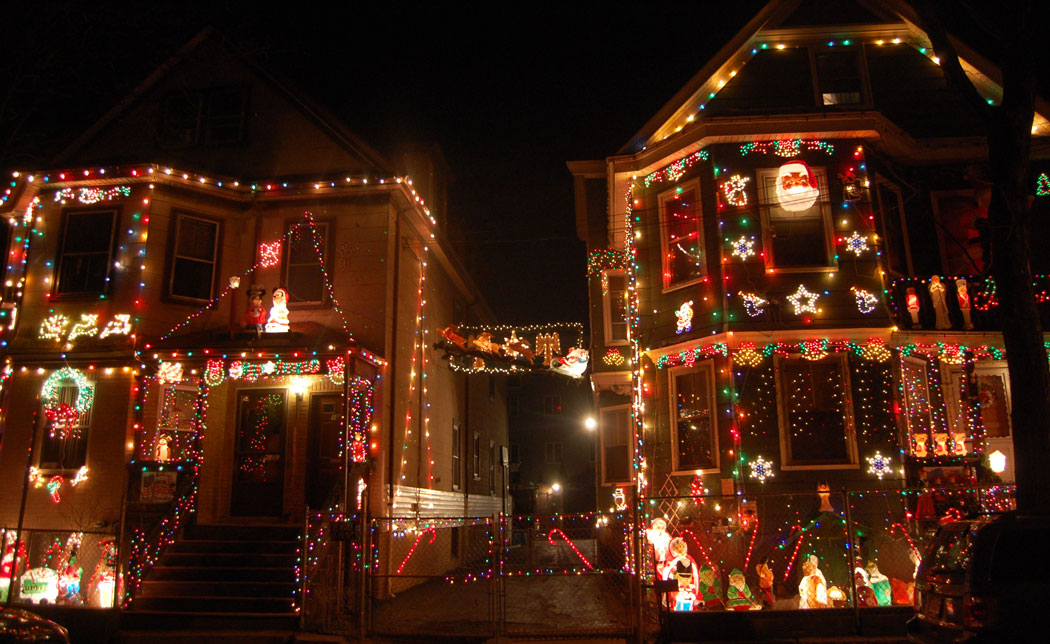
{"points": [[7, 563], [880, 583], [710, 587], [254, 317], [661, 541], [738, 595], [812, 590], [278, 320], [797, 188], [683, 568], [765, 584]]}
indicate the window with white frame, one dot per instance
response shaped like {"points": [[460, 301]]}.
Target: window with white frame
{"points": [[839, 80], [694, 424], [86, 251], [918, 410], [682, 236], [614, 299], [304, 262], [195, 258], [615, 437], [815, 413], [797, 230]]}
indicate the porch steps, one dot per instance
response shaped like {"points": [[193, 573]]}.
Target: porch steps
{"points": [[221, 578]]}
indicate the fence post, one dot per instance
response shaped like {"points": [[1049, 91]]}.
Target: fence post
{"points": [[850, 563]]}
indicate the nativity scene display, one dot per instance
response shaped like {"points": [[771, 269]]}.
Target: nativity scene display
{"points": [[505, 349], [731, 555]]}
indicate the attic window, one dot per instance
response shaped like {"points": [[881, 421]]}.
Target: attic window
{"points": [[838, 77], [212, 116]]}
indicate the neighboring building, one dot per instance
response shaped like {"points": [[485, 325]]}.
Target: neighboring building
{"points": [[132, 263], [551, 446], [786, 263]]}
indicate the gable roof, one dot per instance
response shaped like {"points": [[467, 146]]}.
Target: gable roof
{"points": [[315, 112], [787, 23]]}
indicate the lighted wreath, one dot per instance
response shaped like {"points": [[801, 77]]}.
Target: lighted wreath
{"points": [[85, 391]]}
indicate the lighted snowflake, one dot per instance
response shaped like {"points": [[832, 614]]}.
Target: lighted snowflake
{"points": [[761, 469], [857, 243], [810, 304], [753, 304], [734, 190], [684, 314], [744, 248], [866, 302], [879, 465]]}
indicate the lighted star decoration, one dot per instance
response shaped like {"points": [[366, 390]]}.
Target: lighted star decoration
{"points": [[866, 302], [744, 248], [857, 243], [509, 342], [810, 304], [734, 190], [753, 304], [879, 465], [761, 469], [684, 314]]}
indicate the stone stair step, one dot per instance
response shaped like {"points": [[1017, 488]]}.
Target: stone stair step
{"points": [[201, 604], [193, 588], [218, 573]]}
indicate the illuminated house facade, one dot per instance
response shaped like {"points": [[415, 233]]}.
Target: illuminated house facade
{"points": [[786, 269], [220, 301]]}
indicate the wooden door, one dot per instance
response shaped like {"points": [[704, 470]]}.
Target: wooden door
{"points": [[258, 454], [323, 462]]}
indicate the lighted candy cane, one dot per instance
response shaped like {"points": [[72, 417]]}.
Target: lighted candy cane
{"points": [[791, 562], [751, 545], [700, 546], [550, 537], [905, 533], [54, 484], [419, 537]]}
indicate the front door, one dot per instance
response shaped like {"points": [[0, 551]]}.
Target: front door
{"points": [[323, 460], [258, 454]]}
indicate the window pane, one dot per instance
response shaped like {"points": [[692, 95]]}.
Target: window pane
{"points": [[192, 279], [89, 232], [197, 238], [303, 277], [893, 236], [617, 295], [816, 412], [65, 448], [83, 273], [84, 262], [683, 260], [838, 77], [694, 422], [616, 454], [798, 233]]}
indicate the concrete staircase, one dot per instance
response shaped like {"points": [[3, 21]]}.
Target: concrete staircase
{"points": [[221, 577]]}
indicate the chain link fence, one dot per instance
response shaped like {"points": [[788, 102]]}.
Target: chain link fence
{"points": [[60, 567]]}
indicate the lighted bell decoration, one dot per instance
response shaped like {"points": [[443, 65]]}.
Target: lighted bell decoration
{"points": [[797, 188]]}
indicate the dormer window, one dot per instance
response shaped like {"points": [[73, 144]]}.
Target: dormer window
{"points": [[839, 80], [204, 117]]}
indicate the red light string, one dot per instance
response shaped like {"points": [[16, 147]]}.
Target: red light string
{"points": [[419, 537]]}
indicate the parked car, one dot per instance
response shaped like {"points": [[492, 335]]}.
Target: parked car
{"points": [[19, 626], [984, 580]]}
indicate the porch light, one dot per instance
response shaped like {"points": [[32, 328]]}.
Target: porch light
{"points": [[298, 387], [997, 461]]}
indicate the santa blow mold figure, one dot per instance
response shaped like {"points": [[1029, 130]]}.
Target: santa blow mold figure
{"points": [[797, 188]]}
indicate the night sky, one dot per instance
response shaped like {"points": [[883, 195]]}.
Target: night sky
{"points": [[509, 94]]}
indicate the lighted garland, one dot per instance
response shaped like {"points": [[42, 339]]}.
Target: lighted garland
{"points": [[605, 259], [360, 394], [89, 196], [674, 171], [787, 147], [85, 390]]}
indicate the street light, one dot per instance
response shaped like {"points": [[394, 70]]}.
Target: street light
{"points": [[590, 423], [556, 487]]}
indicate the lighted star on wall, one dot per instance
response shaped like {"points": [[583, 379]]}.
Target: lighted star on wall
{"points": [[810, 304]]}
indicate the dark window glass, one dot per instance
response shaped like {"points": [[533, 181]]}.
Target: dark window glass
{"points": [[683, 241], [617, 295], [457, 450], [616, 449], [695, 426], [303, 277], [212, 116], [815, 402], [193, 270], [889, 200], [838, 77], [224, 117], [83, 264], [798, 237], [65, 447]]}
